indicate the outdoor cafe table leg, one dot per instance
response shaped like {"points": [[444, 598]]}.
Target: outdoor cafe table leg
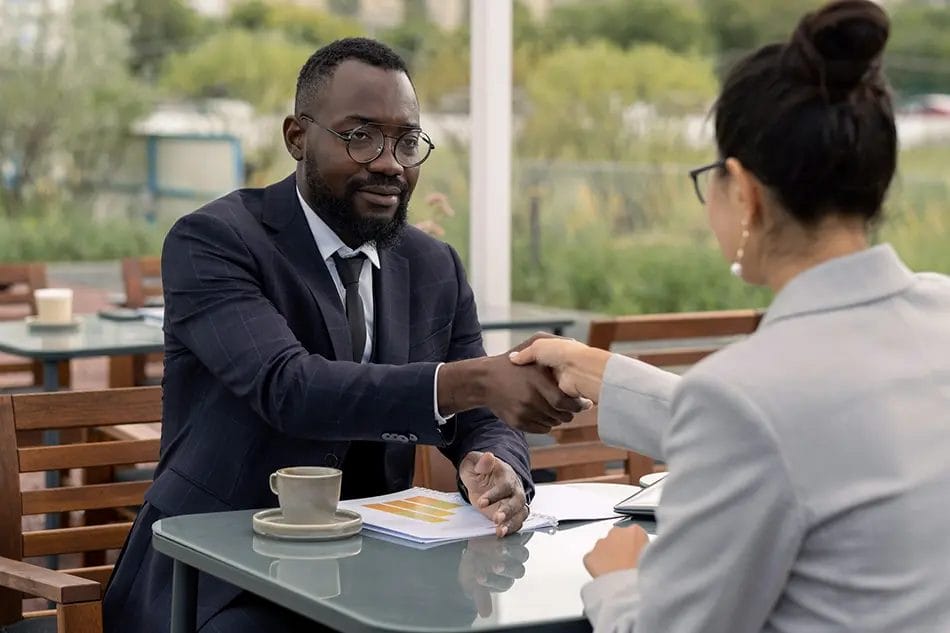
{"points": [[184, 598]]}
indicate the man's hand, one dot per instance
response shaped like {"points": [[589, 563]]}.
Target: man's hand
{"points": [[491, 566], [495, 490], [620, 549], [525, 398]]}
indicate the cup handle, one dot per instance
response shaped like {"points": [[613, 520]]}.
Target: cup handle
{"points": [[273, 483]]}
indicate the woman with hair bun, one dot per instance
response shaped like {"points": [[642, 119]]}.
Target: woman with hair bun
{"points": [[809, 485]]}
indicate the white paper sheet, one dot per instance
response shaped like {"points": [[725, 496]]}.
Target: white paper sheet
{"points": [[580, 502]]}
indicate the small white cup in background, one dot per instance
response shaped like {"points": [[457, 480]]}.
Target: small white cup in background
{"points": [[54, 306], [308, 494]]}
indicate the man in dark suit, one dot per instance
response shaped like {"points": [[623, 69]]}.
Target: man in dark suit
{"points": [[306, 324]]}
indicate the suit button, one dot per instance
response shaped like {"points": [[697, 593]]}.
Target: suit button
{"points": [[403, 439], [387, 436], [331, 460], [413, 437]]}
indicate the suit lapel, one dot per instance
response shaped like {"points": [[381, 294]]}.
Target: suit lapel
{"points": [[285, 219], [391, 299]]}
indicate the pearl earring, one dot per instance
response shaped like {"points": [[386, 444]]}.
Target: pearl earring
{"points": [[736, 267]]}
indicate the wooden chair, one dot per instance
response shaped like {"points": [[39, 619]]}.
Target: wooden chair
{"points": [[142, 278], [76, 592], [17, 283], [673, 341]]}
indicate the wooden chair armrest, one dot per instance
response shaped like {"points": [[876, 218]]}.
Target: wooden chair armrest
{"points": [[46, 583]]}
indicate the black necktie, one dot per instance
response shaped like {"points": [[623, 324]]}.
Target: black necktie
{"points": [[349, 269]]}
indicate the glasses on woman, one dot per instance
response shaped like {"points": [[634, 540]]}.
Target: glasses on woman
{"points": [[701, 177], [366, 143]]}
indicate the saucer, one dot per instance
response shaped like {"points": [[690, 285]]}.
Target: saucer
{"points": [[43, 326], [272, 523]]}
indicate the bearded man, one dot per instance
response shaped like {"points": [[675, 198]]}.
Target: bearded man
{"points": [[307, 325]]}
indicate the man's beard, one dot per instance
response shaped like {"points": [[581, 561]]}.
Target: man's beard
{"points": [[342, 216]]}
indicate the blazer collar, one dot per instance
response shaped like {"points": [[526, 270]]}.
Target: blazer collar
{"points": [[284, 216], [863, 277]]}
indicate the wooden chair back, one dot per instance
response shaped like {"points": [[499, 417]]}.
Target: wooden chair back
{"points": [[142, 277], [674, 340], [17, 283], [579, 456], [68, 411]]}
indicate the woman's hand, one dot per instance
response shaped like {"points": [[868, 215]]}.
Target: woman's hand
{"points": [[579, 369], [620, 549]]}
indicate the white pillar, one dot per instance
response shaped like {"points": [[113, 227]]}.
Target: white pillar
{"points": [[490, 146]]}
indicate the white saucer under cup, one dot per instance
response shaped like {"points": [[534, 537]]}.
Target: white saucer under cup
{"points": [[272, 523]]}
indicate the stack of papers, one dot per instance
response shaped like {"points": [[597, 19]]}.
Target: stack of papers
{"points": [[427, 516], [424, 516]]}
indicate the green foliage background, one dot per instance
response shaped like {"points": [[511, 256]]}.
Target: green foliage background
{"points": [[604, 216]]}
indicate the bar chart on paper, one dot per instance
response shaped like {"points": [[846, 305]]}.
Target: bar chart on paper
{"points": [[419, 508], [427, 516]]}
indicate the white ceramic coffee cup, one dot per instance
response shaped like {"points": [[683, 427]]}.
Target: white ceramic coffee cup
{"points": [[308, 494], [54, 305]]}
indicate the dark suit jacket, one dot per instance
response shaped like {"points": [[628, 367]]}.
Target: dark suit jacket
{"points": [[253, 330]]}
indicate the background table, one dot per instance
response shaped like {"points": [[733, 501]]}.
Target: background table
{"points": [[93, 337], [520, 317], [366, 584]]}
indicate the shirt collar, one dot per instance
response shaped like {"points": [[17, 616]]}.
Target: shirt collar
{"points": [[328, 242], [862, 277]]}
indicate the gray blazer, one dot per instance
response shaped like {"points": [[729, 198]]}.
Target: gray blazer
{"points": [[809, 486]]}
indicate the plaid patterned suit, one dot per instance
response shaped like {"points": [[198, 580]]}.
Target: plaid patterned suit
{"points": [[253, 328]]}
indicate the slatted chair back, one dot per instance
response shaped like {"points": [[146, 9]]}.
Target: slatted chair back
{"points": [[62, 411], [588, 460], [142, 277]]}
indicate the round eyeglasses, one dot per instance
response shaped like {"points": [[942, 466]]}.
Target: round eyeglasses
{"points": [[366, 143], [701, 176]]}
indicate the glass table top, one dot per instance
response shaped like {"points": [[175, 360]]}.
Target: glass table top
{"points": [[480, 584], [93, 336]]}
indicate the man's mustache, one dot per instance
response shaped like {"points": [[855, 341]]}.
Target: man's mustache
{"points": [[378, 181]]}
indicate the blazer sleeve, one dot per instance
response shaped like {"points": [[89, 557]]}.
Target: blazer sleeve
{"points": [[633, 411], [730, 523], [216, 308], [480, 429]]}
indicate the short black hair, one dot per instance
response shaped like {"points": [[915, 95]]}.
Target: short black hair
{"points": [[812, 117], [323, 63]]}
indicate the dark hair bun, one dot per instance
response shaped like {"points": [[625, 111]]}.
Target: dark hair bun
{"points": [[839, 46]]}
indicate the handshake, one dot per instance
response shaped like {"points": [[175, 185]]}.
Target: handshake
{"points": [[531, 387]]}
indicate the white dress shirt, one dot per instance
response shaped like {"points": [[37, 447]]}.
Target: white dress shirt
{"points": [[329, 244]]}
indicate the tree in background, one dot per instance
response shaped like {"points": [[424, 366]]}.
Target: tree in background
{"points": [[677, 26], [67, 100], [918, 55], [738, 26], [255, 57], [157, 28], [592, 123]]}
